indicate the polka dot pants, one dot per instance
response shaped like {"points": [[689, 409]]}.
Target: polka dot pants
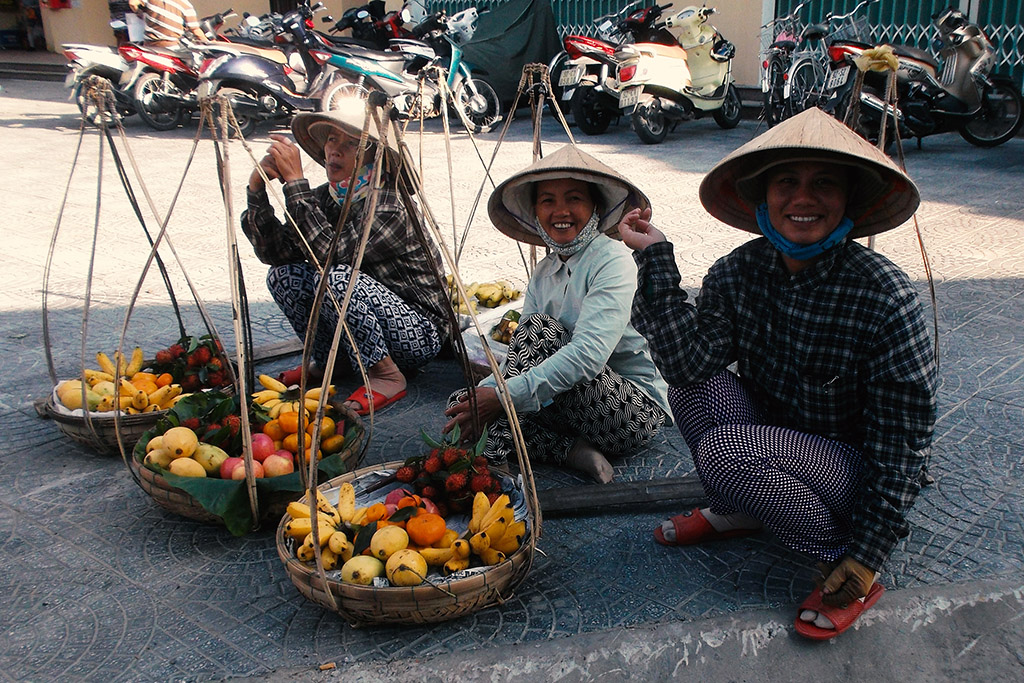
{"points": [[802, 487]]}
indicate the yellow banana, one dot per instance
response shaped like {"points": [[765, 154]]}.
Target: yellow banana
{"points": [[94, 377], [286, 407], [269, 382], [299, 528], [346, 502], [501, 504], [122, 364], [313, 393], [340, 545], [125, 402], [326, 532], [460, 549], [106, 404], [171, 397], [329, 558], [436, 557], [481, 506], [479, 542], [455, 565], [271, 403], [174, 401], [135, 363], [276, 410], [140, 400], [358, 517], [312, 406], [323, 505], [449, 537], [508, 544], [496, 529], [265, 395], [297, 510], [106, 365], [152, 408], [164, 394], [305, 553], [491, 557]]}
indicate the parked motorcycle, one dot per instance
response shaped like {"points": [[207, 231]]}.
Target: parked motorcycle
{"points": [[409, 76], [105, 62], [962, 95], [262, 89], [588, 81], [661, 85]]}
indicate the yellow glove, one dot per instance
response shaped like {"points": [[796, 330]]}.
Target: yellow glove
{"points": [[845, 582]]}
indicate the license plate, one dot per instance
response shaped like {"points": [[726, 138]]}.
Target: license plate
{"points": [[837, 78], [629, 97], [570, 76]]}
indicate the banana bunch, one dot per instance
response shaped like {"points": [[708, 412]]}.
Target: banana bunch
{"points": [[335, 546], [127, 367], [494, 533], [276, 398], [487, 294]]}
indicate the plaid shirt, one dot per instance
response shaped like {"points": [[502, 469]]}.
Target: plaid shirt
{"points": [[839, 349], [394, 256]]}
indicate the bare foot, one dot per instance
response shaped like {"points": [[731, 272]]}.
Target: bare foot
{"points": [[385, 378], [587, 459]]}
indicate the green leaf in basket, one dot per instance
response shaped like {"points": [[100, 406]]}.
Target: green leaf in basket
{"points": [[429, 441], [362, 541], [403, 514], [478, 450]]}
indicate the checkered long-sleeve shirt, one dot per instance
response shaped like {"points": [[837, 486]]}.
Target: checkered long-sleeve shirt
{"points": [[839, 349], [394, 255]]}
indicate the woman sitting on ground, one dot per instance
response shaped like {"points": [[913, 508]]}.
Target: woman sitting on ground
{"points": [[822, 434], [580, 377], [398, 313]]}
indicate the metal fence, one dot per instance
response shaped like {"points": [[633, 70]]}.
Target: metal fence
{"points": [[909, 22], [573, 16]]}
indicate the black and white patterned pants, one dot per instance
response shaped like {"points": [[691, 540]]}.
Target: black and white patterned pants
{"points": [[800, 486], [382, 324], [609, 411]]}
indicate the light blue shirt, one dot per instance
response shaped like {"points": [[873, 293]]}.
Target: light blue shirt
{"points": [[591, 295]]}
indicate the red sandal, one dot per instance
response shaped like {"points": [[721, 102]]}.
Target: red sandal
{"points": [[692, 527], [841, 617]]}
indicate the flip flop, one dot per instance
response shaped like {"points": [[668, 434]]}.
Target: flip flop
{"points": [[294, 376], [378, 400], [692, 527], [841, 617]]}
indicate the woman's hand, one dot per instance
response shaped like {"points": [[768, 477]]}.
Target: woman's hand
{"points": [[488, 407], [286, 156], [269, 167], [637, 231]]}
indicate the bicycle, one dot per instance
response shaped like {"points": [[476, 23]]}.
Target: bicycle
{"points": [[806, 83], [782, 40]]}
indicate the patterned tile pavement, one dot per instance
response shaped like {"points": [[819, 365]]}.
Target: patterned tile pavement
{"points": [[98, 583]]}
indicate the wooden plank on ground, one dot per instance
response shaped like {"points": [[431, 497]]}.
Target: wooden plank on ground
{"points": [[573, 500], [276, 350]]}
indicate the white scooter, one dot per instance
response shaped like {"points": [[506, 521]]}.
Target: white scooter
{"points": [[661, 85]]}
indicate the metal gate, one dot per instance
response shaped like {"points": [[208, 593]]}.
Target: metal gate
{"points": [[573, 16], [910, 22]]}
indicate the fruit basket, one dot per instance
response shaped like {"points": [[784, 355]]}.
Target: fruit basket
{"points": [[98, 431], [215, 500], [438, 598]]}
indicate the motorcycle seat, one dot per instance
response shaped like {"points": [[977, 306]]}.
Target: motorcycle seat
{"points": [[385, 59], [265, 52], [345, 42], [915, 54]]}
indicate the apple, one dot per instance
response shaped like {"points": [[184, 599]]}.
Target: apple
{"points": [[239, 471], [228, 466], [286, 454], [394, 496], [391, 508], [429, 506], [262, 446], [276, 465]]}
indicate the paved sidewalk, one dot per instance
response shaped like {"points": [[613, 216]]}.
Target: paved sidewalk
{"points": [[101, 584]]}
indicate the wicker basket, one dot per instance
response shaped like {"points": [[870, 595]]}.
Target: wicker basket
{"points": [[424, 604], [271, 507], [103, 435]]}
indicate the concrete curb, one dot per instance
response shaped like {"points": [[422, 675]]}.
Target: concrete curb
{"points": [[952, 632]]}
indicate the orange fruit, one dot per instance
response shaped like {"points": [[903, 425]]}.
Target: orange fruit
{"points": [[145, 385], [274, 430], [144, 375], [332, 444], [289, 422], [164, 379], [305, 456], [290, 443], [376, 512], [425, 529], [326, 427], [412, 500]]}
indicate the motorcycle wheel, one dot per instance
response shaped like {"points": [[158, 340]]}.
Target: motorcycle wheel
{"points": [[649, 123], [246, 123], [480, 112], [155, 118], [589, 112], [728, 115], [92, 113], [999, 118], [774, 104], [341, 91]]}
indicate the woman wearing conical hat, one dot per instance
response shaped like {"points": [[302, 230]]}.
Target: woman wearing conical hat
{"points": [[821, 434], [398, 313], [580, 377]]}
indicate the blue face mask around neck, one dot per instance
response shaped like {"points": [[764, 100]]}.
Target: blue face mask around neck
{"points": [[801, 252]]}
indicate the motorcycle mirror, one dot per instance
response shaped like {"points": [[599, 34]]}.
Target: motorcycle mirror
{"points": [[363, 14]]}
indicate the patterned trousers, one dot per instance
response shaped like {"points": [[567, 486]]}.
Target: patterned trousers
{"points": [[381, 323], [800, 486], [609, 411]]}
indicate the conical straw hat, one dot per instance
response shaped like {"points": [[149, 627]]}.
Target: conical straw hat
{"points": [[511, 206], [882, 196], [311, 128]]}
